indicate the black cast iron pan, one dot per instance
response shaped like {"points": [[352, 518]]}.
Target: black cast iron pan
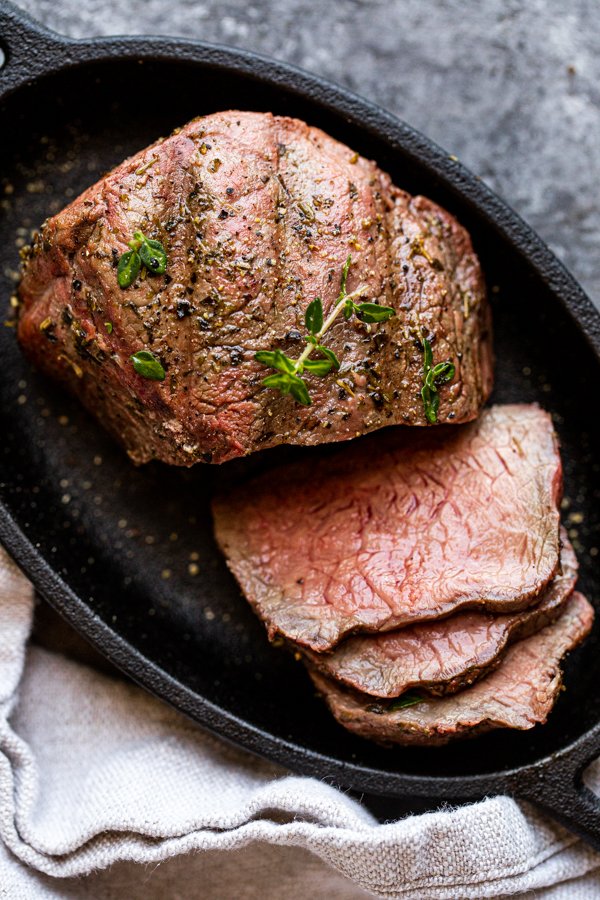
{"points": [[127, 555]]}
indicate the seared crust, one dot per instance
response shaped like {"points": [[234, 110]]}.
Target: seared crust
{"points": [[257, 214]]}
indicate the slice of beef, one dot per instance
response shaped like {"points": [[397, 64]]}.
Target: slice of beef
{"points": [[442, 657], [406, 525], [257, 214], [518, 694]]}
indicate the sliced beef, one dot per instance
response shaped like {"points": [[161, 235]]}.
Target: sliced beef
{"points": [[519, 694], [257, 214], [407, 525], [442, 657]]}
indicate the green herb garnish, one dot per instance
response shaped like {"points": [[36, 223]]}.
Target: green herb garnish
{"points": [[128, 268], [147, 365], [152, 254], [144, 251], [404, 701], [109, 327], [288, 378], [433, 376]]}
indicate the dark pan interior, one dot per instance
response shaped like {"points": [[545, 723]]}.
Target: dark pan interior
{"points": [[136, 544]]}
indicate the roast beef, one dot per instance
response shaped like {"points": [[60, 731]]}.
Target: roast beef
{"points": [[442, 657], [406, 525], [518, 694], [257, 215]]}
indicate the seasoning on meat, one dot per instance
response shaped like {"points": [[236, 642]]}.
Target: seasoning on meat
{"points": [[255, 215]]}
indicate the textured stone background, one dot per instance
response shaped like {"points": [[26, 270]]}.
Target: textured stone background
{"points": [[512, 87]]}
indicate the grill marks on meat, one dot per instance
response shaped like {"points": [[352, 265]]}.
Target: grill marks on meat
{"points": [[426, 247], [405, 526], [232, 252], [444, 656], [519, 694], [257, 214]]}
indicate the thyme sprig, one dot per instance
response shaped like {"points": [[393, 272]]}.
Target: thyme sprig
{"points": [[288, 372], [433, 377]]}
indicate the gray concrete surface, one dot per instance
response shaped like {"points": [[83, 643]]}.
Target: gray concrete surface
{"points": [[512, 87]]}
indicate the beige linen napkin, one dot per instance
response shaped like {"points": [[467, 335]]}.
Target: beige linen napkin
{"points": [[99, 779]]}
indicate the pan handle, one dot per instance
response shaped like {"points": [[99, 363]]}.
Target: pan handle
{"points": [[28, 49], [557, 787]]}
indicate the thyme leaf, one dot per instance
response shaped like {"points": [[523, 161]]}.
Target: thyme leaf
{"points": [[313, 318], [288, 380], [153, 256], [275, 359], [329, 354], [318, 366], [373, 312], [148, 365], [128, 268], [289, 384], [433, 377], [410, 698], [344, 281], [404, 701], [299, 391]]}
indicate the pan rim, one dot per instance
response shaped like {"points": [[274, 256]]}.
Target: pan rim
{"points": [[363, 114]]}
